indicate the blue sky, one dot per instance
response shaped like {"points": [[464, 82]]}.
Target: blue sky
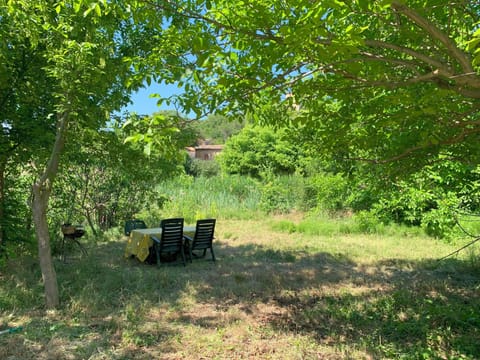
{"points": [[143, 104]]}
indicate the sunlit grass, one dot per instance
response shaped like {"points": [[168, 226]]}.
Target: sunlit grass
{"points": [[275, 292]]}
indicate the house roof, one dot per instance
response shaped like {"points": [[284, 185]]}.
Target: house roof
{"points": [[209, 147]]}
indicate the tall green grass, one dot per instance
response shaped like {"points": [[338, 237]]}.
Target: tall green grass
{"points": [[221, 197], [244, 198], [323, 224]]}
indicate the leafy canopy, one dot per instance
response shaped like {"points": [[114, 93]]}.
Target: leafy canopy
{"points": [[257, 150], [380, 81]]}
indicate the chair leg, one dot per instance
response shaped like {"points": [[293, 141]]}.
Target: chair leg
{"points": [[157, 253], [183, 257], [213, 255]]}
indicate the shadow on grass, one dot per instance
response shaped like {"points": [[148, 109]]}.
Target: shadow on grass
{"points": [[393, 308]]}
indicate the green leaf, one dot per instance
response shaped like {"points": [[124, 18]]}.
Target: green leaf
{"points": [[363, 4], [98, 10], [86, 12], [133, 138], [77, 5], [147, 149], [472, 44]]}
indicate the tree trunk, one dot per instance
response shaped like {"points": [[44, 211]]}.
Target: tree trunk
{"points": [[90, 222], [2, 201], [41, 194], [39, 207]]}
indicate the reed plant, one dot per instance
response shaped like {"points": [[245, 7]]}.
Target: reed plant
{"points": [[221, 197]]}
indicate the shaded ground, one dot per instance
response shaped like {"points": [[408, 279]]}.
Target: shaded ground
{"points": [[257, 301]]}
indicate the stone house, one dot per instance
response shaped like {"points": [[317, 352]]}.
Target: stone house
{"points": [[204, 152]]}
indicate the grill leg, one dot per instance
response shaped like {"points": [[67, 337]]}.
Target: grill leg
{"points": [[64, 257], [75, 240], [82, 248]]}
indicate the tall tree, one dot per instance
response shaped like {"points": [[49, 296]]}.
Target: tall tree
{"points": [[82, 47], [256, 150], [22, 96], [399, 79]]}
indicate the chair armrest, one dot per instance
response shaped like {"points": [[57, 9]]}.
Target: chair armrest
{"points": [[155, 239], [186, 237]]}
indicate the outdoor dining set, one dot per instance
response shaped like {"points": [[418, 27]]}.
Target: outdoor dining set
{"points": [[172, 239]]}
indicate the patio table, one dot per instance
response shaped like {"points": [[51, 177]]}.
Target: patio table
{"points": [[139, 241]]}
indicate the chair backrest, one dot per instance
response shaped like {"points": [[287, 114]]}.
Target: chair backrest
{"points": [[172, 235], [204, 232], [134, 224]]}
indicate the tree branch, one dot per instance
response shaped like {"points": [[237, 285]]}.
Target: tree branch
{"points": [[436, 33], [408, 152], [401, 49]]}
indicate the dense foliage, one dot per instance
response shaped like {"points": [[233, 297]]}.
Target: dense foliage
{"points": [[430, 198], [217, 129], [381, 81], [389, 82], [257, 150]]}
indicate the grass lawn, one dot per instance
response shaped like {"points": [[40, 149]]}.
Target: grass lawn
{"points": [[270, 295]]}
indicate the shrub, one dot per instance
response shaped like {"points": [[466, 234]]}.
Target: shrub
{"points": [[326, 192], [368, 222], [257, 148], [440, 222], [281, 193], [275, 198], [205, 168]]}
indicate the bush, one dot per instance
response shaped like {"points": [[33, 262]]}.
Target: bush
{"points": [[258, 148], [275, 198], [368, 222], [281, 194], [205, 168], [326, 192], [440, 222]]}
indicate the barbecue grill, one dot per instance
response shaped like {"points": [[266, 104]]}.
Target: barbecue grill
{"points": [[72, 233]]}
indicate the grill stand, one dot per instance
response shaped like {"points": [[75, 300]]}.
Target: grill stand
{"points": [[72, 233]]}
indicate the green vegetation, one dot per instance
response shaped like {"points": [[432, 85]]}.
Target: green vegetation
{"points": [[218, 129], [358, 169], [195, 198], [257, 150], [384, 81], [299, 275], [283, 287]]}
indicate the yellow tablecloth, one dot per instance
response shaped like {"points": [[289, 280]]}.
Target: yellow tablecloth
{"points": [[139, 241]]}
